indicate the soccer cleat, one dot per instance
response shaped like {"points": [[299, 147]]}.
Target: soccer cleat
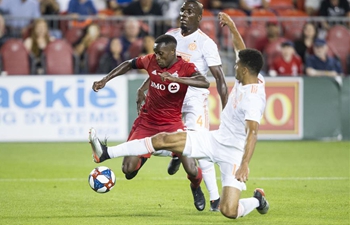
{"points": [[99, 150], [263, 204], [131, 175], [198, 196], [215, 205], [174, 165]]}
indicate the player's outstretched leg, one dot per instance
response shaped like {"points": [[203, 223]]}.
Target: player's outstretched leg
{"points": [[174, 165], [99, 150], [263, 204]]}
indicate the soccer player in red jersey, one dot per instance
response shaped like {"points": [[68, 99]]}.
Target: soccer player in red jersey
{"points": [[170, 77], [198, 48]]}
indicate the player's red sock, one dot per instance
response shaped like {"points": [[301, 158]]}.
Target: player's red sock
{"points": [[196, 181], [175, 155]]}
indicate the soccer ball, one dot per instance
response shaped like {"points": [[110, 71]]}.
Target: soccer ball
{"points": [[101, 179]]}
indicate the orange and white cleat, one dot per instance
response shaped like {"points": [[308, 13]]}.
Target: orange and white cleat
{"points": [[99, 150]]}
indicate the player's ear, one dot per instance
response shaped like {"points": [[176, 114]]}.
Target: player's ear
{"points": [[245, 70], [199, 18]]}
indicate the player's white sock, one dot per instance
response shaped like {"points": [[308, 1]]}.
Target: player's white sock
{"points": [[209, 177], [131, 148], [246, 205]]}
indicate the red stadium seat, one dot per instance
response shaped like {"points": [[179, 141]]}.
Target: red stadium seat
{"points": [[338, 41], [239, 17], [252, 34], [110, 29], [330, 52], [300, 5], [94, 53], [73, 34], [63, 24], [135, 48], [208, 25], [105, 29], [272, 50], [15, 59], [294, 27], [58, 58], [281, 4], [261, 16]]}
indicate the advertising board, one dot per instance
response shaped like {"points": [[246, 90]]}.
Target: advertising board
{"points": [[61, 108]]}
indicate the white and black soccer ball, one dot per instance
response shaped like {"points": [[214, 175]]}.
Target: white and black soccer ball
{"points": [[102, 179]]}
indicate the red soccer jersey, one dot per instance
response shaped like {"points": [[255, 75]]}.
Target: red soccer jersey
{"points": [[164, 99], [292, 68]]}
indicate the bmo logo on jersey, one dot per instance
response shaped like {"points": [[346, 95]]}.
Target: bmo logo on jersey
{"points": [[158, 86], [173, 87]]}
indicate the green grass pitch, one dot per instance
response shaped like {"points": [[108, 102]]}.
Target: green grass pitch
{"points": [[305, 182]]}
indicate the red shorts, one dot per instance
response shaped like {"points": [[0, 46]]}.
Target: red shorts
{"points": [[141, 129]]}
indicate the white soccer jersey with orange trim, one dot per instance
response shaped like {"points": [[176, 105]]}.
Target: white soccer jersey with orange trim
{"points": [[245, 103], [199, 49]]}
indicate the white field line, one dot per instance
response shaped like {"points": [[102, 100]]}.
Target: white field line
{"points": [[167, 178]]}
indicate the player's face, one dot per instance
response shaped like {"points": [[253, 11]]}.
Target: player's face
{"points": [[239, 71], [165, 54], [189, 16]]}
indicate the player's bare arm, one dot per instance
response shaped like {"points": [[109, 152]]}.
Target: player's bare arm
{"points": [[140, 95], [251, 128], [238, 43], [123, 68], [196, 80], [221, 86]]}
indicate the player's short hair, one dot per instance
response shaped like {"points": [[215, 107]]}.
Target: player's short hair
{"points": [[166, 39], [252, 59], [200, 5]]}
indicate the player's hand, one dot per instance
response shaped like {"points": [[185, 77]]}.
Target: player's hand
{"points": [[98, 85], [243, 172], [166, 76], [141, 98], [225, 19]]}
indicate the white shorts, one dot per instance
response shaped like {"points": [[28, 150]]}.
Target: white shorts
{"points": [[203, 145], [195, 112]]}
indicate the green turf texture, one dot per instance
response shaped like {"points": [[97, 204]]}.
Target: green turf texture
{"points": [[46, 183]]}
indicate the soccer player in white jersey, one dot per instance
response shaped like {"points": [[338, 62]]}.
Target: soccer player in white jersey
{"points": [[231, 146], [195, 46]]}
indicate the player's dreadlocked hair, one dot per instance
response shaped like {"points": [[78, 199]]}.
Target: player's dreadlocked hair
{"points": [[252, 59], [200, 5], [166, 39]]}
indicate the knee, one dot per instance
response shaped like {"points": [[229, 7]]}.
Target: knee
{"points": [[229, 212], [128, 167]]}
